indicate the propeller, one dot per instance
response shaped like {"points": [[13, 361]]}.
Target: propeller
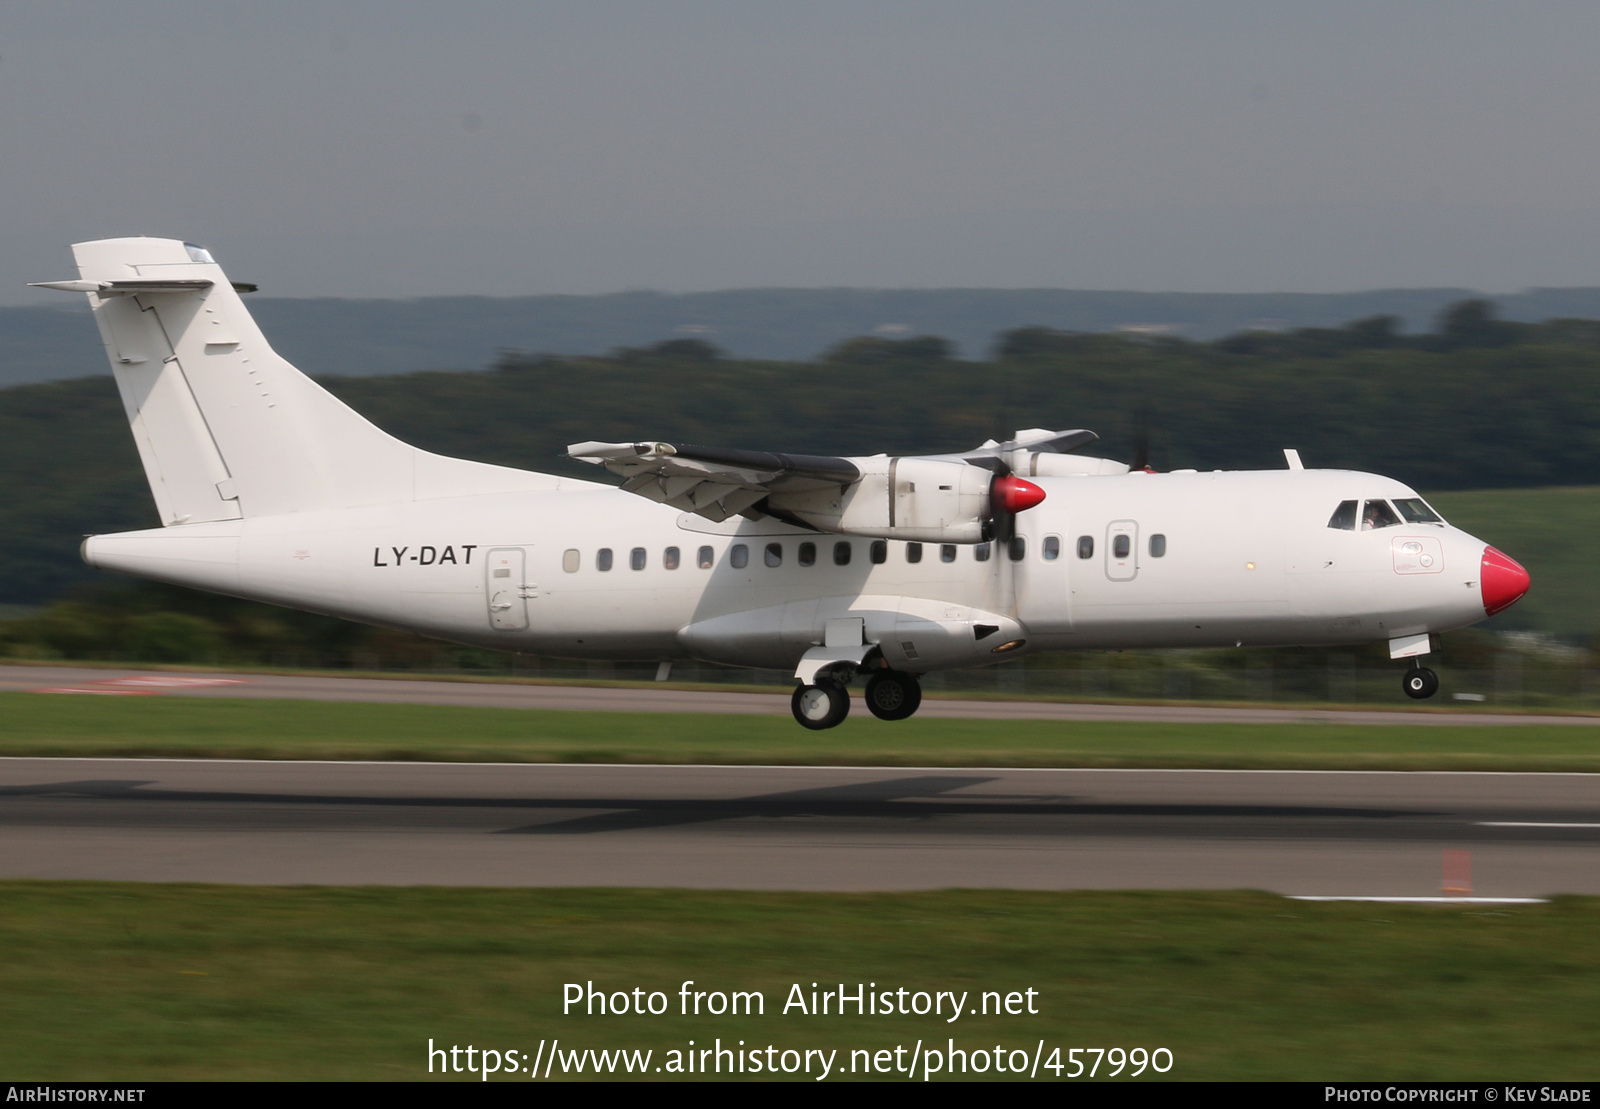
{"points": [[1141, 444], [1010, 494]]}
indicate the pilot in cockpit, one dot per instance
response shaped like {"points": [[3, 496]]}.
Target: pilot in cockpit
{"points": [[1378, 514]]}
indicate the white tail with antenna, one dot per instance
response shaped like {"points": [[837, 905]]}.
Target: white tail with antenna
{"points": [[225, 427]]}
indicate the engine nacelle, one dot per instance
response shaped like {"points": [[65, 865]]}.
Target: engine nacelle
{"points": [[1042, 464], [923, 500]]}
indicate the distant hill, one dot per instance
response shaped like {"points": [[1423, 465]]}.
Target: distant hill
{"points": [[332, 337]]}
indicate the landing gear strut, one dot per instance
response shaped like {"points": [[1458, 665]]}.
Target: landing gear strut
{"points": [[891, 695], [820, 706], [1420, 682]]}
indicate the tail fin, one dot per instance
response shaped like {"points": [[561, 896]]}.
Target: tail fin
{"points": [[225, 427]]}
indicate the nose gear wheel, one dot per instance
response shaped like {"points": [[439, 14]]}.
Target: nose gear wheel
{"points": [[1421, 683]]}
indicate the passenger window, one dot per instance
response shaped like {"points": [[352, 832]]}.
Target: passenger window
{"points": [[841, 554], [774, 554], [808, 554], [669, 558], [913, 552], [1121, 546], [947, 552], [739, 556], [1085, 546], [706, 558], [1378, 514], [981, 552], [1017, 548], [1344, 517], [1052, 547], [569, 561], [1158, 546], [602, 559], [637, 558], [1416, 511], [878, 552]]}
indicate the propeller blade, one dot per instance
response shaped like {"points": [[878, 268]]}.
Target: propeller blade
{"points": [[1008, 496], [1141, 447]]}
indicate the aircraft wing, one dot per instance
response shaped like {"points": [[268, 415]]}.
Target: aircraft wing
{"points": [[714, 482]]}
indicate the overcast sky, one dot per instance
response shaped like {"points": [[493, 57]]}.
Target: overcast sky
{"points": [[398, 148]]}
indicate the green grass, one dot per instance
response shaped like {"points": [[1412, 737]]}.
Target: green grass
{"points": [[138, 982], [1551, 532], [35, 724]]}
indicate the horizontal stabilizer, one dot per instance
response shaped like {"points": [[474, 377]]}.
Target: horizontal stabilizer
{"points": [[134, 288], [125, 288]]}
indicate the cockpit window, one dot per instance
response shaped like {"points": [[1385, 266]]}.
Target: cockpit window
{"points": [[1344, 517], [1416, 511], [1378, 514]]}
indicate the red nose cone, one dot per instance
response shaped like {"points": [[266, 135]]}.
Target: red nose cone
{"points": [[1504, 582], [1012, 494]]}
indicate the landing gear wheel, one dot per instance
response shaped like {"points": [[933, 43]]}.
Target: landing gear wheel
{"points": [[1421, 683], [820, 706], [891, 695]]}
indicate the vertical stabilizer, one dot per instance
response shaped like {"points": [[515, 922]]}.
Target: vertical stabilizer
{"points": [[225, 427]]}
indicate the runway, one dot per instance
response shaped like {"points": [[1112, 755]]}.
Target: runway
{"points": [[89, 680], [798, 828]]}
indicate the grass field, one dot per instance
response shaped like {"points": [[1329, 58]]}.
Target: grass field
{"points": [[136, 982], [223, 728], [1551, 532]]}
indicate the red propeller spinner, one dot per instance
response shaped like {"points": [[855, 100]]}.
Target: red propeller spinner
{"points": [[1013, 494]]}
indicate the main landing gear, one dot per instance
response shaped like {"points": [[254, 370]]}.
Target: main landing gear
{"points": [[820, 706], [890, 695], [1420, 682]]}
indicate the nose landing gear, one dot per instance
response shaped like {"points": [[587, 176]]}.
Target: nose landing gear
{"points": [[1420, 682]]}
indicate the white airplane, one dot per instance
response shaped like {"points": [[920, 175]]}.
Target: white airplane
{"points": [[884, 567]]}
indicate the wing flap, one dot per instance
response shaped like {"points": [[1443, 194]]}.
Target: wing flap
{"points": [[712, 481]]}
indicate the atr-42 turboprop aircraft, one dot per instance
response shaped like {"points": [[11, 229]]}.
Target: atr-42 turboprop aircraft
{"points": [[884, 567]]}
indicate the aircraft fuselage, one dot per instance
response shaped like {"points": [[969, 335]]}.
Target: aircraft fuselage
{"points": [[1245, 557]]}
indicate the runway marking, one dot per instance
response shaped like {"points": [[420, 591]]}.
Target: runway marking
{"points": [[1431, 900], [144, 684], [169, 681], [1532, 824], [103, 692]]}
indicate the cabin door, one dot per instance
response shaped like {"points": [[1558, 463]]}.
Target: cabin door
{"points": [[508, 587]]}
